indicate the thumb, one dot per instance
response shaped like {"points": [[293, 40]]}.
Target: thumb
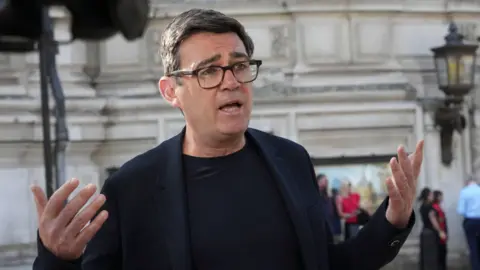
{"points": [[40, 199]]}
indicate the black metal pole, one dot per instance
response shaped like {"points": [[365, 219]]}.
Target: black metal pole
{"points": [[43, 46], [61, 130]]}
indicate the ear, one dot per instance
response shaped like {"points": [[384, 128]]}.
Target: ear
{"points": [[166, 86]]}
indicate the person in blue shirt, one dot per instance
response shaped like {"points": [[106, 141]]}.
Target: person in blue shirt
{"points": [[469, 208]]}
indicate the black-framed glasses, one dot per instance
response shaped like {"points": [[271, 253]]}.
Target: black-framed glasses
{"points": [[212, 76]]}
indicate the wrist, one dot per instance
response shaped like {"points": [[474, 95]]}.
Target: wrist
{"points": [[401, 223]]}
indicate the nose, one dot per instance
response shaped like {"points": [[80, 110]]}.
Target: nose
{"points": [[229, 81]]}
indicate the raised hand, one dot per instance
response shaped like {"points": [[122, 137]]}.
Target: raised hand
{"points": [[402, 185], [63, 228]]}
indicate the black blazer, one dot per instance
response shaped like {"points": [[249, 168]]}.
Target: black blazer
{"points": [[147, 228]]}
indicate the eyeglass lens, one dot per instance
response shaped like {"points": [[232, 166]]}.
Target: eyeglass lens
{"points": [[243, 72]]}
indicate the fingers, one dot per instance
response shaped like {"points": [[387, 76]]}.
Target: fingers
{"points": [[88, 232], [85, 216], [399, 178], [72, 208], [417, 158], [40, 199], [393, 192], [405, 171], [57, 200], [405, 165]]}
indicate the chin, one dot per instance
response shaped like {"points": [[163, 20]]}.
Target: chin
{"points": [[233, 128]]}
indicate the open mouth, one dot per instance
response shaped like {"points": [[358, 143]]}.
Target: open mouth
{"points": [[231, 107]]}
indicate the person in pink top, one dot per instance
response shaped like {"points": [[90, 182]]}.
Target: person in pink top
{"points": [[350, 208]]}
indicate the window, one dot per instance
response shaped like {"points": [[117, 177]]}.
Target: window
{"points": [[366, 175]]}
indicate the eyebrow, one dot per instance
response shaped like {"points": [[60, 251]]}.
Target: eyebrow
{"points": [[238, 55], [218, 56], [209, 60]]}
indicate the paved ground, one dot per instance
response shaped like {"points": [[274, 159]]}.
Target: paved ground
{"points": [[23, 267]]}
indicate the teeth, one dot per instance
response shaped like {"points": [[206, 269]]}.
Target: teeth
{"points": [[236, 105], [230, 108]]}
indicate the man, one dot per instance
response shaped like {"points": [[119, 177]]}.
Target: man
{"points": [[331, 213], [218, 195], [469, 208]]}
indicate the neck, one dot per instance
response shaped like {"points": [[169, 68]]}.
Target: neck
{"points": [[205, 146]]}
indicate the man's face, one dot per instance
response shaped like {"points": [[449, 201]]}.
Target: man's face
{"points": [[204, 109]]}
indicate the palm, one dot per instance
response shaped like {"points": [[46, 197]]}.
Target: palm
{"points": [[402, 185]]}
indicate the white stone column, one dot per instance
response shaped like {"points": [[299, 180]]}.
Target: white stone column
{"points": [[16, 209], [292, 126], [11, 77], [449, 179], [300, 65]]}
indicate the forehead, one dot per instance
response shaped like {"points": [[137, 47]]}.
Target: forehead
{"points": [[201, 46]]}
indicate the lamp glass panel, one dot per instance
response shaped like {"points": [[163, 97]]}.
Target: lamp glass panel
{"points": [[441, 65], [465, 65], [453, 68]]}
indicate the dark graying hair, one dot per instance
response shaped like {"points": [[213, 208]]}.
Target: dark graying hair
{"points": [[196, 21], [472, 178], [436, 196], [424, 194]]}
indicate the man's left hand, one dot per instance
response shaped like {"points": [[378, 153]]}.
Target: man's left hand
{"points": [[402, 185]]}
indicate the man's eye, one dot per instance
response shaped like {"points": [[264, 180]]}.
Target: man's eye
{"points": [[208, 71], [241, 66]]}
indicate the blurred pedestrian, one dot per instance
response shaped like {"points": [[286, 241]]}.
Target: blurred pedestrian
{"points": [[331, 214], [442, 222], [469, 208], [350, 210]]}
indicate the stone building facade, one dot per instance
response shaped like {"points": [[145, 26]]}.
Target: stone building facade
{"points": [[346, 79]]}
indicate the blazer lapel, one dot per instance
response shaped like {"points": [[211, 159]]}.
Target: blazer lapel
{"points": [[171, 202], [288, 190]]}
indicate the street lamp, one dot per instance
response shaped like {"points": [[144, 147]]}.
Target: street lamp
{"points": [[455, 68]]}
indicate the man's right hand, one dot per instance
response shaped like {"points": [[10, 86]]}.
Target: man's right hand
{"points": [[63, 228]]}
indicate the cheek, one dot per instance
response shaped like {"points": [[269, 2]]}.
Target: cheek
{"points": [[201, 102], [247, 89]]}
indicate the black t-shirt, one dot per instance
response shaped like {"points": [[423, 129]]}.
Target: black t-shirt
{"points": [[425, 210], [237, 217]]}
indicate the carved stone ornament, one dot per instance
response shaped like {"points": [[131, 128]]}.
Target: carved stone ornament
{"points": [[279, 36]]}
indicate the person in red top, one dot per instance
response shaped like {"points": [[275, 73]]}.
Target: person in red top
{"points": [[350, 208], [442, 222]]}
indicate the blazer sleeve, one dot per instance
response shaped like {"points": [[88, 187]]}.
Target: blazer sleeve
{"points": [[103, 252], [375, 245]]}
